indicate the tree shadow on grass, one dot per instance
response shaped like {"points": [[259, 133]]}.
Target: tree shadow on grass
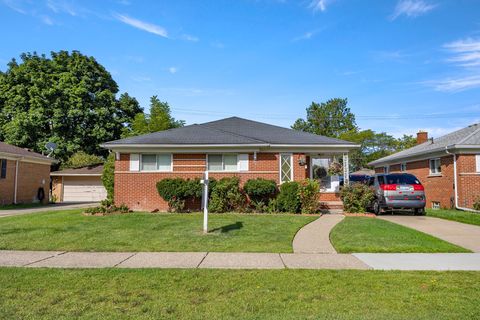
{"points": [[224, 229]]}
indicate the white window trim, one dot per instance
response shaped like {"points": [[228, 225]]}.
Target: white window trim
{"points": [[280, 166], [477, 162], [223, 162], [156, 157], [386, 169], [430, 167], [402, 165]]}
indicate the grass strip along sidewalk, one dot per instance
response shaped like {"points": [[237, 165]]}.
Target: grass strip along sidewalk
{"points": [[234, 294]]}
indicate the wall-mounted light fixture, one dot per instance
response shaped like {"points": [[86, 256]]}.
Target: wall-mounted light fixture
{"points": [[302, 161]]}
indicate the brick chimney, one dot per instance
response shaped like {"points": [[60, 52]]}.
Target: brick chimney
{"points": [[422, 137]]}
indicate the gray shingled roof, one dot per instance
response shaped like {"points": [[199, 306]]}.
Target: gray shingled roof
{"points": [[469, 136], [230, 131], [17, 151], [87, 170]]}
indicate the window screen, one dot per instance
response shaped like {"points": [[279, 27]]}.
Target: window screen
{"points": [[3, 171], [215, 162], [149, 162]]}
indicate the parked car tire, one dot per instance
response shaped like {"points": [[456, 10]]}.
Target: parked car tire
{"points": [[419, 212], [376, 207]]}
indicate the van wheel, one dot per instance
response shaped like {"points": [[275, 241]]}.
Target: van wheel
{"points": [[376, 207], [420, 212]]}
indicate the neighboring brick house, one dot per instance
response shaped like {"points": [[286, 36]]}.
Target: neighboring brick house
{"points": [[22, 174], [228, 147], [448, 167]]}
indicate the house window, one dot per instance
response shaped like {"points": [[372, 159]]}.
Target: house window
{"points": [[222, 162], [156, 162], [435, 205], [386, 169], [435, 166], [3, 171], [286, 170], [403, 167]]}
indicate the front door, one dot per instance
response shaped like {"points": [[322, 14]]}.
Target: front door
{"points": [[319, 171]]}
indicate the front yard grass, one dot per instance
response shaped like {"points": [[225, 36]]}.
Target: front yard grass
{"points": [[236, 294], [360, 234], [72, 231], [456, 215]]}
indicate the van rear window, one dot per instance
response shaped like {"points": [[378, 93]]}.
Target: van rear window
{"points": [[401, 179]]}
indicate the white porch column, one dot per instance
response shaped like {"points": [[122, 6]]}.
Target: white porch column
{"points": [[346, 170]]}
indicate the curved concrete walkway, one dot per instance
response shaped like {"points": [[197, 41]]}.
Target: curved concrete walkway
{"points": [[315, 236], [464, 235]]}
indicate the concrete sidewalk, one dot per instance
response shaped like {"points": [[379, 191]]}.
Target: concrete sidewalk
{"points": [[45, 208], [240, 260]]}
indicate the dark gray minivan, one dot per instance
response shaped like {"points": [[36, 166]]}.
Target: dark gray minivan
{"points": [[397, 191]]}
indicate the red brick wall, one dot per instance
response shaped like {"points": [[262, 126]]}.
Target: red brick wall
{"points": [[468, 180], [31, 176], [138, 189]]}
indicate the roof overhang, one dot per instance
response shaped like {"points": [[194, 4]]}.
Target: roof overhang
{"points": [[423, 155], [16, 157], [60, 174], [183, 148]]}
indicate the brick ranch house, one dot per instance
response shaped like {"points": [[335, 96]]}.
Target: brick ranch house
{"points": [[228, 147], [448, 167], [22, 174]]}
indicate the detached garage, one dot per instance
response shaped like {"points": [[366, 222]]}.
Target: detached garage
{"points": [[78, 185]]}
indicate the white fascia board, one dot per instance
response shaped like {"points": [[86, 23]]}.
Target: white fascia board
{"points": [[11, 156]]}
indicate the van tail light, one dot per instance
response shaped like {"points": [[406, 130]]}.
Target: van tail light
{"points": [[388, 187], [418, 187]]}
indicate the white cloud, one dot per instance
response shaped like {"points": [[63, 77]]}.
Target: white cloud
{"points": [[142, 25], [47, 20], [15, 5], [466, 52], [172, 70], [411, 8], [456, 84], [188, 37], [319, 5], [59, 6]]}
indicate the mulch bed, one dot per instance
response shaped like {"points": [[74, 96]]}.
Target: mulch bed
{"points": [[369, 215]]}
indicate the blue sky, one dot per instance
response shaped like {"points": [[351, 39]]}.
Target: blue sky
{"points": [[404, 65]]}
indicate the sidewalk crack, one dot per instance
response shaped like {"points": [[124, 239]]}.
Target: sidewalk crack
{"points": [[283, 262], [50, 257], [127, 258], [201, 261]]}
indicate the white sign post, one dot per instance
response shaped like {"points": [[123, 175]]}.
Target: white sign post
{"points": [[204, 181]]}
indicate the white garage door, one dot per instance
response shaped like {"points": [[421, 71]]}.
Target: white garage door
{"points": [[83, 189]]}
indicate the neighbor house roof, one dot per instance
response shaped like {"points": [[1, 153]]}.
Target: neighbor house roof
{"points": [[463, 139], [232, 131], [94, 170], [21, 153]]}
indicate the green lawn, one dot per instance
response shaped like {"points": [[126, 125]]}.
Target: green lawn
{"points": [[72, 231], [237, 294], [20, 206], [359, 234], [456, 215]]}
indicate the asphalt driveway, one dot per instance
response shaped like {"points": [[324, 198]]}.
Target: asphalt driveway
{"points": [[461, 234]]}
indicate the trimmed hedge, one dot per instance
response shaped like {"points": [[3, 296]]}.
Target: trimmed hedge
{"points": [[356, 197], [288, 199], [226, 195], [308, 194], [176, 191], [260, 191]]}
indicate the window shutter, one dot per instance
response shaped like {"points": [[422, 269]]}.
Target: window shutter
{"points": [[243, 162], [134, 162], [478, 162]]}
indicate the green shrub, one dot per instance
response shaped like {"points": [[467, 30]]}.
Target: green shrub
{"points": [[176, 191], [308, 193], [260, 191], [82, 159], [476, 204], [288, 199], [108, 175], [356, 197], [226, 195], [107, 208]]}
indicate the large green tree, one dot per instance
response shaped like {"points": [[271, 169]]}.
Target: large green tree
{"points": [[67, 98], [159, 119], [331, 118]]}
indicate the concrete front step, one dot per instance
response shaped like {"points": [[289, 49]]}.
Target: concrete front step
{"points": [[331, 205]]}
